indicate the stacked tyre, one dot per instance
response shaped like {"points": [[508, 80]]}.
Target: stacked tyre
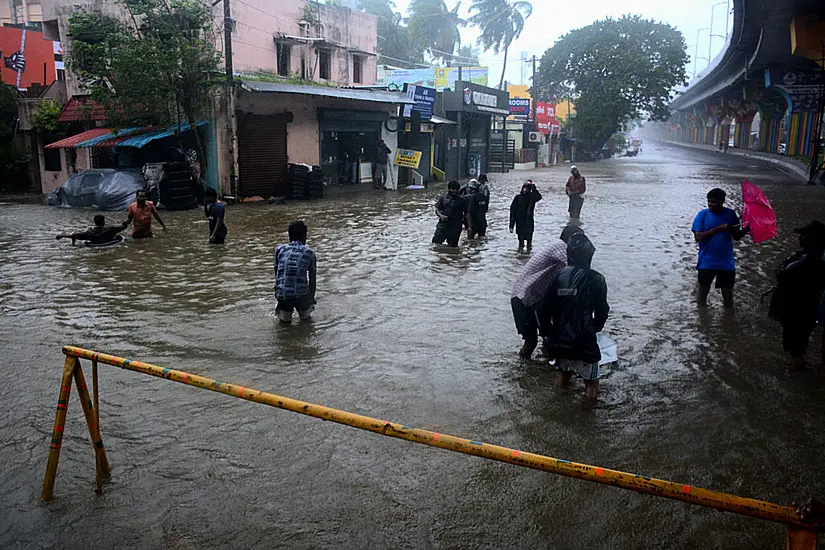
{"points": [[177, 190], [299, 181], [316, 183]]}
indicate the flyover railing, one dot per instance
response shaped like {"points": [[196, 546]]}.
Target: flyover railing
{"points": [[800, 534]]}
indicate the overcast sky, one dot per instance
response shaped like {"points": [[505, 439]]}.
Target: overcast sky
{"points": [[552, 18]]}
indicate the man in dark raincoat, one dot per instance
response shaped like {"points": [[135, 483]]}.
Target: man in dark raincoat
{"points": [[573, 311], [477, 205], [521, 214], [451, 210]]}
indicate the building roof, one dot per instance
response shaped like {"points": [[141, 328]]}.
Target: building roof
{"points": [[80, 109], [81, 137], [128, 137], [375, 96]]}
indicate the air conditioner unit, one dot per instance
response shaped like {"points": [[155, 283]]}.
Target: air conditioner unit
{"points": [[534, 137]]}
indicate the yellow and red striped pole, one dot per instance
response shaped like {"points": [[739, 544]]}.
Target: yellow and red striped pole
{"points": [[642, 484], [59, 424]]}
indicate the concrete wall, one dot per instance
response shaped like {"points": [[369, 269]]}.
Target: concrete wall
{"points": [[52, 179]]}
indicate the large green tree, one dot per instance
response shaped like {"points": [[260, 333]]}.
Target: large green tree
{"points": [[468, 55], [157, 65], [618, 70], [436, 27], [395, 41], [501, 22]]}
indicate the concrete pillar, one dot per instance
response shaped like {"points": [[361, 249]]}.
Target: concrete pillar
{"points": [[800, 134]]}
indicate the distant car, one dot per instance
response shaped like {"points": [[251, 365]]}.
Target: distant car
{"points": [[101, 188], [783, 148]]}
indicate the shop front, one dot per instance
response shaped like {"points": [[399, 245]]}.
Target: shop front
{"points": [[466, 147]]}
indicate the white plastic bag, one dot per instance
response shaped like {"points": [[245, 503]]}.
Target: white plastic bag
{"points": [[608, 348]]}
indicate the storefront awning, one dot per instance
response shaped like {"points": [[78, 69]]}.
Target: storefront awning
{"points": [[79, 138], [374, 96], [438, 120], [127, 137]]}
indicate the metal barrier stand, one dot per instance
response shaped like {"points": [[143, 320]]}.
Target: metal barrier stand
{"points": [[800, 535]]}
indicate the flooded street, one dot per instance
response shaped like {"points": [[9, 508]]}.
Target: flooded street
{"points": [[415, 334]]}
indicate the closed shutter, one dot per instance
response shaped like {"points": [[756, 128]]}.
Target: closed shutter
{"points": [[262, 155]]}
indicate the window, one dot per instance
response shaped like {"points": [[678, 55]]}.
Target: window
{"points": [[51, 160], [357, 69], [283, 52], [324, 64]]}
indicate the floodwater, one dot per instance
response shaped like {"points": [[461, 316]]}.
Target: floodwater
{"points": [[414, 334]]}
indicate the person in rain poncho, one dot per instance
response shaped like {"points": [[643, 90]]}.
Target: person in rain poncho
{"points": [[522, 210], [477, 205], [575, 188], [573, 311], [451, 210]]}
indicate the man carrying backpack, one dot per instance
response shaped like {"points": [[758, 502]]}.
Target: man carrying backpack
{"points": [[573, 311], [800, 283]]}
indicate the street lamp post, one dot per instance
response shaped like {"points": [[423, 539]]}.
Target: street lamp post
{"points": [[696, 54], [710, 33]]}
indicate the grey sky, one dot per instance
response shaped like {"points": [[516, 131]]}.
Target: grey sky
{"points": [[551, 19]]}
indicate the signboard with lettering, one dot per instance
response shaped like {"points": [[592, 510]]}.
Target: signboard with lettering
{"points": [[803, 87], [407, 158], [546, 117], [520, 108], [426, 127], [438, 78], [424, 98], [472, 98]]}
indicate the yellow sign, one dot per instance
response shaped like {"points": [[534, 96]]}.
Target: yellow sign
{"points": [[407, 158], [426, 127]]}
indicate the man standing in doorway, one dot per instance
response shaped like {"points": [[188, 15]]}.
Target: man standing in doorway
{"points": [[715, 228], [295, 272], [141, 212], [379, 174], [575, 188]]}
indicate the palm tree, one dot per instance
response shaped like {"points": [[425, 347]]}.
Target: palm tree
{"points": [[436, 27], [501, 22]]}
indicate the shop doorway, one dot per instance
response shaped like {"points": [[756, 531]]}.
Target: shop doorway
{"points": [[346, 157]]}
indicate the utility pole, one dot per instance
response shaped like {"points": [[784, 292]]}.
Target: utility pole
{"points": [[228, 25], [696, 54], [460, 112], [533, 101]]}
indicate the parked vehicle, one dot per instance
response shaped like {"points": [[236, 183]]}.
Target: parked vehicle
{"points": [[101, 188]]}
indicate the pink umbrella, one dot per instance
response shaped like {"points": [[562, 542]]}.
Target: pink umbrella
{"points": [[757, 213]]}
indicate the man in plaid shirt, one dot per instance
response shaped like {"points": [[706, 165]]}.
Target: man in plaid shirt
{"points": [[295, 275], [532, 285]]}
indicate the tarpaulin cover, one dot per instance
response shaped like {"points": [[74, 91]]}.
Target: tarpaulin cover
{"points": [[757, 213], [104, 189]]}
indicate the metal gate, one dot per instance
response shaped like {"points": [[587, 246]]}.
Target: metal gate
{"points": [[262, 155], [502, 154]]}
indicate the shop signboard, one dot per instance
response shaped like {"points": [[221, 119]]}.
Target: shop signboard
{"points": [[546, 116], [520, 108], [424, 98], [407, 158], [803, 87], [426, 127]]}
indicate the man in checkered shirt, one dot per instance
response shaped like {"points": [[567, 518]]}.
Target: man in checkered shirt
{"points": [[295, 275], [532, 285]]}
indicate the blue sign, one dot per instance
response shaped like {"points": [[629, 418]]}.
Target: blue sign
{"points": [[520, 107], [424, 98]]}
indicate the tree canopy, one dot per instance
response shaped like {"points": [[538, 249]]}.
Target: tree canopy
{"points": [[395, 40], [436, 27], [156, 66], [500, 22], [618, 70]]}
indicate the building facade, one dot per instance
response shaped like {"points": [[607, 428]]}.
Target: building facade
{"points": [[20, 12]]}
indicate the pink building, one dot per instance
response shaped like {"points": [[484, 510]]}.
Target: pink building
{"points": [[304, 39]]}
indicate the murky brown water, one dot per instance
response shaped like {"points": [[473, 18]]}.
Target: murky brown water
{"points": [[411, 334]]}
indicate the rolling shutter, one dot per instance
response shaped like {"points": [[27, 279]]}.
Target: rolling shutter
{"points": [[262, 155]]}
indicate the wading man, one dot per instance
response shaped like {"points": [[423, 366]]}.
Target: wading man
{"points": [[295, 275], [97, 235], [573, 311], [715, 228], [216, 212], [141, 212], [451, 210], [522, 211], [575, 188], [477, 206]]}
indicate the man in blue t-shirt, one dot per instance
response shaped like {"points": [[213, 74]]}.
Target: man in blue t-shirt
{"points": [[715, 228]]}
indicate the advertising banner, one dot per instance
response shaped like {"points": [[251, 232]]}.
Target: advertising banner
{"points": [[28, 58], [520, 108], [803, 87], [447, 77], [407, 158], [424, 98], [546, 117]]}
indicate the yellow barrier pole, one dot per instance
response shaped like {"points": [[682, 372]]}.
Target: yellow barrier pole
{"points": [[677, 491], [57, 430], [102, 467]]}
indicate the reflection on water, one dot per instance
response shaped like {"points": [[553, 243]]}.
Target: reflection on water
{"points": [[412, 333]]}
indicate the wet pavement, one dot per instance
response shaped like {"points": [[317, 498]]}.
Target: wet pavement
{"points": [[414, 334]]}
